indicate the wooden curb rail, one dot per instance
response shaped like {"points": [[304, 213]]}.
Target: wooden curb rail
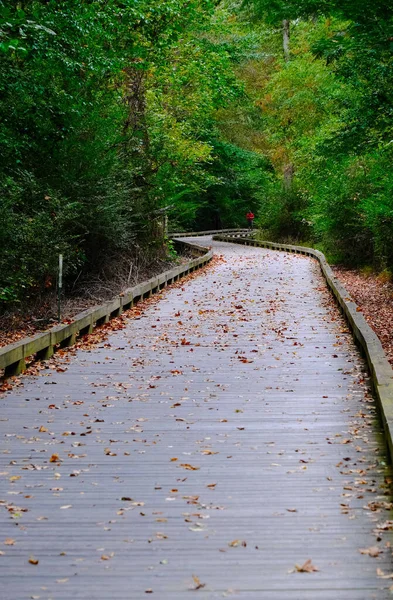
{"points": [[380, 369], [43, 345], [238, 231]]}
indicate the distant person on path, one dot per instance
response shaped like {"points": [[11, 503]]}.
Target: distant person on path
{"points": [[250, 219]]}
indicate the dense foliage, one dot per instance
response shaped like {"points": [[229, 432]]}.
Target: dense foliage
{"points": [[327, 113], [114, 111], [107, 117]]}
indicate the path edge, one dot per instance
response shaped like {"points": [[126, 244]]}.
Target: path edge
{"points": [[380, 369], [43, 345]]}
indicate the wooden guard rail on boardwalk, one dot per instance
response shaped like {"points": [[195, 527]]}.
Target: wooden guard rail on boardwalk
{"points": [[43, 345], [380, 369], [237, 232]]}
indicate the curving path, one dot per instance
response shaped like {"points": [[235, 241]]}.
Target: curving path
{"points": [[224, 436]]}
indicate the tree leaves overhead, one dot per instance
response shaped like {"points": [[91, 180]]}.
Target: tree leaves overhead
{"points": [[275, 11], [108, 115], [327, 113], [113, 111]]}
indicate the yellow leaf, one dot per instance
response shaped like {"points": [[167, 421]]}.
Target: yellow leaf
{"points": [[189, 467]]}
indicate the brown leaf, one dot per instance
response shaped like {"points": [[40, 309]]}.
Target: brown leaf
{"points": [[383, 575], [374, 551], [189, 467], [198, 584], [9, 542], [109, 452], [236, 543], [33, 560], [307, 567], [54, 458]]}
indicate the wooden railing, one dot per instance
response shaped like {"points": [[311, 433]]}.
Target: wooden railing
{"points": [[379, 367], [210, 232], [43, 345]]}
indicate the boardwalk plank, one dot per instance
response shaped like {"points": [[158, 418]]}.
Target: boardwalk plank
{"points": [[246, 373]]}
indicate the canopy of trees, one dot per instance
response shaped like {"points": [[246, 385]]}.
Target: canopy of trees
{"points": [[112, 111], [327, 112], [108, 116]]}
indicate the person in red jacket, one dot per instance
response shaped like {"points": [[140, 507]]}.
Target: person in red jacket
{"points": [[250, 219]]}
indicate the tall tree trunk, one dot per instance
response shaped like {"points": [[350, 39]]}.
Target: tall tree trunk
{"points": [[136, 101], [286, 35], [289, 172], [135, 126]]}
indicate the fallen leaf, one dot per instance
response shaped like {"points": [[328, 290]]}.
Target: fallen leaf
{"points": [[33, 560], [374, 551], [189, 467], [383, 575], [236, 543], [109, 452], [198, 584], [307, 567]]}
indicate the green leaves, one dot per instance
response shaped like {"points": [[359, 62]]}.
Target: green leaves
{"points": [[326, 116], [108, 113]]}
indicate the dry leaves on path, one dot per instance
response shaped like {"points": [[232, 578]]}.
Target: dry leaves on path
{"points": [[307, 567], [383, 575], [374, 551], [236, 543], [198, 584]]}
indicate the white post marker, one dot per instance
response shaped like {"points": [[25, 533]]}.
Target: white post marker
{"points": [[59, 287]]}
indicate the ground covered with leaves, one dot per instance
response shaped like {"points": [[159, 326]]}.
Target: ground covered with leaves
{"points": [[40, 315], [374, 295]]}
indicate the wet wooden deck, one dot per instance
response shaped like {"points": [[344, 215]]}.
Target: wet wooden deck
{"points": [[224, 436]]}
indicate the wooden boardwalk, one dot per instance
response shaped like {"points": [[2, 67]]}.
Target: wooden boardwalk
{"points": [[224, 436]]}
